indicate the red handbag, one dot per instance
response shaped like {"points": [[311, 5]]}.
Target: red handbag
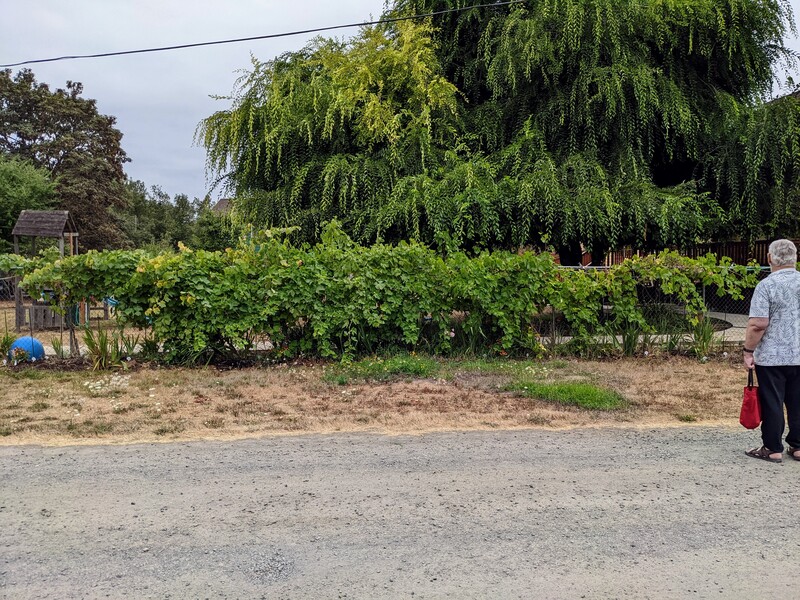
{"points": [[750, 416]]}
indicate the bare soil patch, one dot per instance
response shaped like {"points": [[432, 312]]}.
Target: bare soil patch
{"points": [[150, 404]]}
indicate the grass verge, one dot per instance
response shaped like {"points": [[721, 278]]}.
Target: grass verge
{"points": [[396, 394], [584, 395]]}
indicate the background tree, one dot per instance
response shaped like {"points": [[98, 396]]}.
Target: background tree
{"points": [[573, 123], [152, 218], [22, 187], [63, 133], [136, 218], [213, 230]]}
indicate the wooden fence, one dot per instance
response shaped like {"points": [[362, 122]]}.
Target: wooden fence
{"points": [[739, 252]]}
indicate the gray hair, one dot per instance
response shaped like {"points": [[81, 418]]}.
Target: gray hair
{"points": [[783, 252]]}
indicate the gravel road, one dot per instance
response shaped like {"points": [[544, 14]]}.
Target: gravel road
{"points": [[591, 513]]}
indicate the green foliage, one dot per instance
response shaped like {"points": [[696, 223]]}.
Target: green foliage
{"points": [[153, 220], [16, 264], [553, 123], [214, 230], [382, 369], [13, 263], [504, 295], [703, 337], [584, 395], [22, 187], [758, 169], [58, 348], [327, 132], [149, 348], [338, 299], [71, 280], [108, 349], [6, 340]]}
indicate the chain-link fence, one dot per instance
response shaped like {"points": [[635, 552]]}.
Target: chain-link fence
{"points": [[728, 309], [6, 288], [724, 324]]}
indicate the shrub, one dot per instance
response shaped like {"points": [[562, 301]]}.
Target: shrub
{"points": [[341, 300]]}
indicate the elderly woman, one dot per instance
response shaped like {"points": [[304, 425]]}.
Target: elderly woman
{"points": [[772, 347]]}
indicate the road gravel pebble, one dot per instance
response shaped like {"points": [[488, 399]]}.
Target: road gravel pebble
{"points": [[587, 513]]}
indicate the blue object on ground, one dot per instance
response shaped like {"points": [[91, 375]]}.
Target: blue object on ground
{"points": [[31, 346]]}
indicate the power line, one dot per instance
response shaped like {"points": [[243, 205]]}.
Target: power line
{"points": [[265, 37]]}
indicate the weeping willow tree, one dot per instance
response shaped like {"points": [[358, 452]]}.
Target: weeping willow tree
{"points": [[329, 131], [566, 123]]}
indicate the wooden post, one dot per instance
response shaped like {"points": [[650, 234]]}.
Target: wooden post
{"points": [[19, 313], [19, 310], [61, 246], [74, 346]]}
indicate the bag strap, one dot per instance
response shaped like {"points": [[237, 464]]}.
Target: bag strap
{"points": [[750, 377]]}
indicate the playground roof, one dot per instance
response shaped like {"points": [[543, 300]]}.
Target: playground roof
{"points": [[45, 223]]}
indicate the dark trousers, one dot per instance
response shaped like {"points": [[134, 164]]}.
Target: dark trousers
{"points": [[778, 386]]}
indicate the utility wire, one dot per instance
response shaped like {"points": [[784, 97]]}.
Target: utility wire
{"points": [[266, 37]]}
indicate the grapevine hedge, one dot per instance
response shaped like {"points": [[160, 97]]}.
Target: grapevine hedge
{"points": [[339, 299]]}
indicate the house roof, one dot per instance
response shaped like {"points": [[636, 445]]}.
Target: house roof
{"points": [[222, 205], [44, 223]]}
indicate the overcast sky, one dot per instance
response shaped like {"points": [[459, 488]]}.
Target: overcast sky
{"points": [[158, 99]]}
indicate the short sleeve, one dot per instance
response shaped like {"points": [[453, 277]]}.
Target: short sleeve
{"points": [[759, 305]]}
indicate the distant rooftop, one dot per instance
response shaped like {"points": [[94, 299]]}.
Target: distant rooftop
{"points": [[222, 205]]}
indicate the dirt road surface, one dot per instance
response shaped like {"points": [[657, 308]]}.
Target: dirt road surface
{"points": [[585, 513]]}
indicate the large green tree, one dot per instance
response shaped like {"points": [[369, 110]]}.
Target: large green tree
{"points": [[22, 187], [62, 132], [570, 123]]}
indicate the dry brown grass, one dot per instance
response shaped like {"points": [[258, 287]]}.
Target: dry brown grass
{"points": [[52, 407]]}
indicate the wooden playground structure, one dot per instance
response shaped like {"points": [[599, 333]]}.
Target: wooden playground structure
{"points": [[35, 314]]}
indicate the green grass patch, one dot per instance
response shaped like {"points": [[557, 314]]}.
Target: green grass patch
{"points": [[557, 364], [24, 374], [383, 369], [171, 427], [513, 369], [89, 428], [102, 427], [584, 395]]}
